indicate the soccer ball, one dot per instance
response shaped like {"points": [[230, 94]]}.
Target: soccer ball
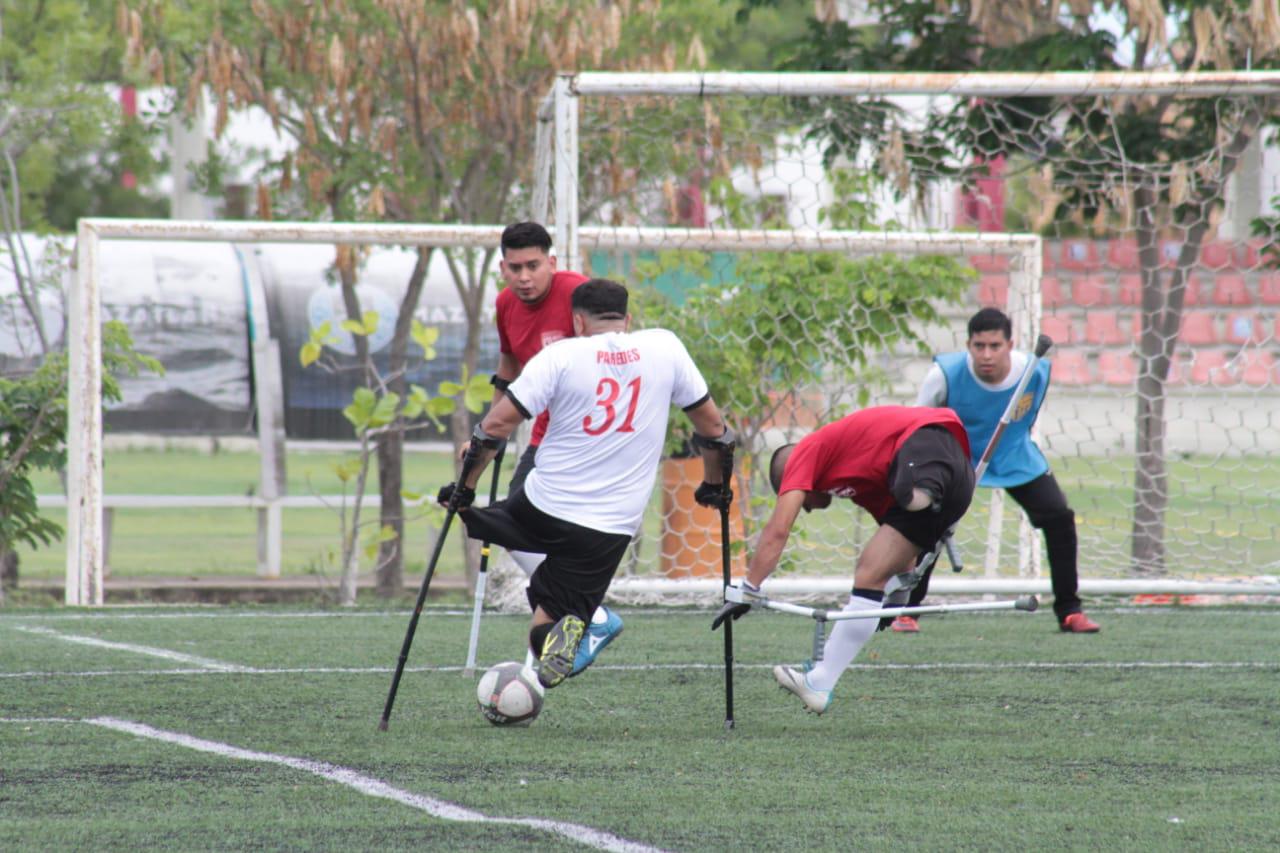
{"points": [[509, 694]]}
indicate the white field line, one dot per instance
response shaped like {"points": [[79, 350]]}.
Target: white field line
{"points": [[367, 785], [152, 651], [670, 667], [109, 615]]}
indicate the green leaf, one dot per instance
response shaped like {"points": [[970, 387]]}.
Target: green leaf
{"points": [[310, 353], [425, 337], [478, 394], [347, 470], [385, 411], [441, 406]]}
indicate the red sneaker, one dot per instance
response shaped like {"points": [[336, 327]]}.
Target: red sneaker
{"points": [[1078, 623], [908, 625]]}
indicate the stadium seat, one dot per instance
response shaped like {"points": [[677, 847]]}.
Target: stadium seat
{"points": [[1269, 288], [1231, 289], [1198, 329], [990, 262], [1193, 294], [993, 290], [1177, 369], [1079, 255], [1088, 290], [1130, 289], [1071, 367], [1106, 328], [1123, 254], [1249, 255], [1209, 367], [1216, 255], [1058, 327], [1117, 368], [1258, 368], [1051, 292], [1244, 329]]}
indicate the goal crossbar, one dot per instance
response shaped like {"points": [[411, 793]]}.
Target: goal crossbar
{"points": [[867, 84]]}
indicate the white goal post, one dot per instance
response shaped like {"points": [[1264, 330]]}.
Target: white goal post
{"points": [[562, 176], [85, 531]]}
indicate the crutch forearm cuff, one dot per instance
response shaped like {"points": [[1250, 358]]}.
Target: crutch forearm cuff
{"points": [[485, 440], [726, 441]]}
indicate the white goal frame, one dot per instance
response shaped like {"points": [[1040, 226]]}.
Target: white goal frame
{"points": [[557, 172]]}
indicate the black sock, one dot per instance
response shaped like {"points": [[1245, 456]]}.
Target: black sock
{"points": [[538, 636]]}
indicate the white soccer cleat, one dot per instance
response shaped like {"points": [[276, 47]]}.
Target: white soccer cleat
{"points": [[796, 682]]}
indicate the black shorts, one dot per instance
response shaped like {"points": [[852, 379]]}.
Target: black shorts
{"points": [[580, 561], [935, 454]]}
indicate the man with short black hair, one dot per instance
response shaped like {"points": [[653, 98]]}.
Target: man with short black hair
{"points": [[976, 384], [906, 466], [609, 392]]}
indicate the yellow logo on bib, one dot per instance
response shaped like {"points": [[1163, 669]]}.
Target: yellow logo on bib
{"points": [[1024, 406]]}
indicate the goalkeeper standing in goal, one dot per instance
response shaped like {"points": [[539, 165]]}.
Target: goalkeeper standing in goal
{"points": [[532, 311], [976, 385], [909, 468], [609, 392]]}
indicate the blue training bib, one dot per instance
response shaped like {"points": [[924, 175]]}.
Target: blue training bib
{"points": [[1017, 460]]}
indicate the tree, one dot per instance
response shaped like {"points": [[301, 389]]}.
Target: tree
{"points": [[790, 319], [33, 432], [63, 149], [374, 411], [1176, 153], [401, 111]]}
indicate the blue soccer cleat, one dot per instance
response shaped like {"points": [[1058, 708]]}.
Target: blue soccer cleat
{"points": [[599, 634]]}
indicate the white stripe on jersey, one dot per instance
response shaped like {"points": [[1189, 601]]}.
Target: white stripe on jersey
{"points": [[609, 397]]}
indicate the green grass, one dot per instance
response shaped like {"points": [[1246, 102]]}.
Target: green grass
{"points": [[1221, 519], [983, 732], [224, 541]]}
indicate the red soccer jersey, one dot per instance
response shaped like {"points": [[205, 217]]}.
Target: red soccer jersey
{"points": [[523, 330], [850, 458]]}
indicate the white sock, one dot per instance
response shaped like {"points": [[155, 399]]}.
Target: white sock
{"points": [[527, 562], [843, 644]]}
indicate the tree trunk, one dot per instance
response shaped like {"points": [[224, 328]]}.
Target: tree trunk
{"points": [[391, 444], [390, 450], [469, 280], [1150, 480], [8, 569], [1161, 322]]}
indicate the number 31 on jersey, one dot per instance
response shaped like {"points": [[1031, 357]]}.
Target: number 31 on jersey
{"points": [[607, 392]]}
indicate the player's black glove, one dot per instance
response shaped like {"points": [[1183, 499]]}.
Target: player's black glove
{"points": [[716, 496], [465, 496], [736, 609]]}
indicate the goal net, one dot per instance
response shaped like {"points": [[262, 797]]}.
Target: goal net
{"points": [[815, 238]]}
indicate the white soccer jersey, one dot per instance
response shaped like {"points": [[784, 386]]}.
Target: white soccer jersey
{"points": [[609, 396]]}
